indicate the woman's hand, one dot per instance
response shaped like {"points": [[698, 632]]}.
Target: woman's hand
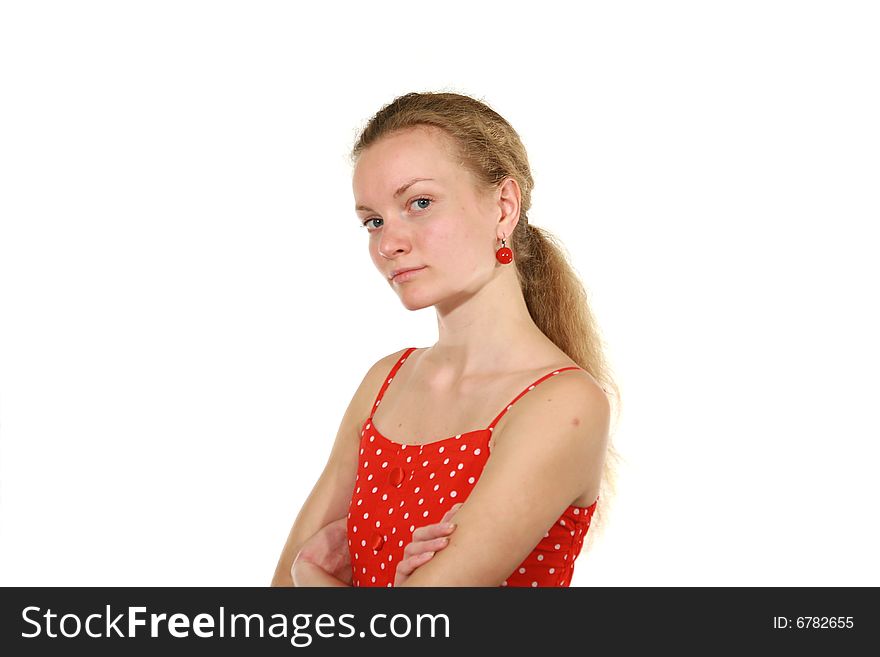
{"points": [[426, 541], [328, 550]]}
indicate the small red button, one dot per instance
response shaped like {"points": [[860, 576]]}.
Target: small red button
{"points": [[377, 541], [395, 477]]}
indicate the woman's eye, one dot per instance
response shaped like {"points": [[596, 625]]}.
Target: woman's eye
{"points": [[417, 200]]}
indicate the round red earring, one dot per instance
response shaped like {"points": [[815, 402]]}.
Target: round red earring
{"points": [[504, 255]]}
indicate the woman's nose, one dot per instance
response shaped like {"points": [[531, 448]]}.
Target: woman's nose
{"points": [[393, 242]]}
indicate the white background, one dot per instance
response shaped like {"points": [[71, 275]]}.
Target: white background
{"points": [[187, 303]]}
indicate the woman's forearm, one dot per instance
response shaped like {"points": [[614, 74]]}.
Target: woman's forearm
{"points": [[305, 573]]}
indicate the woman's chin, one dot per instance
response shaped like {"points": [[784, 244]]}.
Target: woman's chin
{"points": [[412, 302]]}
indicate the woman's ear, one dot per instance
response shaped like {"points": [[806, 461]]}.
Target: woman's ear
{"points": [[509, 199]]}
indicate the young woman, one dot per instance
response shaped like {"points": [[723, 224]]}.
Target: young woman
{"points": [[502, 425]]}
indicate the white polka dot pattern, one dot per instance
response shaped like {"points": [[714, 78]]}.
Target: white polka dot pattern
{"points": [[419, 487]]}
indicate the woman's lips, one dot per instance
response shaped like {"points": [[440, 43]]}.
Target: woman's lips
{"points": [[406, 275]]}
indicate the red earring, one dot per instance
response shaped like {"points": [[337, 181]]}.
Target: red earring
{"points": [[504, 255]]}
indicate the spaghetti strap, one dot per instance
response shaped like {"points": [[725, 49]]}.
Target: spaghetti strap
{"points": [[391, 374], [491, 427]]}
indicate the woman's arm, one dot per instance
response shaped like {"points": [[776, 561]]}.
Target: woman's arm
{"points": [[327, 501], [331, 495], [325, 560], [426, 542], [305, 573], [553, 447]]}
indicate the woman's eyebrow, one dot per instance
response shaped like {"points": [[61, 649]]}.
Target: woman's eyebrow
{"points": [[400, 190]]}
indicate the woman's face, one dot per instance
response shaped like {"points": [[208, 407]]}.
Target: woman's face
{"points": [[443, 225]]}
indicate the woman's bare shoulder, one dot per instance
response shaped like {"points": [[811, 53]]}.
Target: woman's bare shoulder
{"points": [[575, 390], [383, 366], [373, 379]]}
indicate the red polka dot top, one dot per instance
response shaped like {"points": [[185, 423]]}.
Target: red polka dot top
{"points": [[401, 486]]}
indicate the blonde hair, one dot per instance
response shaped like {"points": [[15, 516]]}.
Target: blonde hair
{"points": [[491, 150]]}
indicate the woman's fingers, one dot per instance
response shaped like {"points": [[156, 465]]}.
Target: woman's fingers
{"points": [[408, 565], [432, 531], [328, 548], [420, 547], [426, 542], [448, 515], [431, 538], [436, 529]]}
